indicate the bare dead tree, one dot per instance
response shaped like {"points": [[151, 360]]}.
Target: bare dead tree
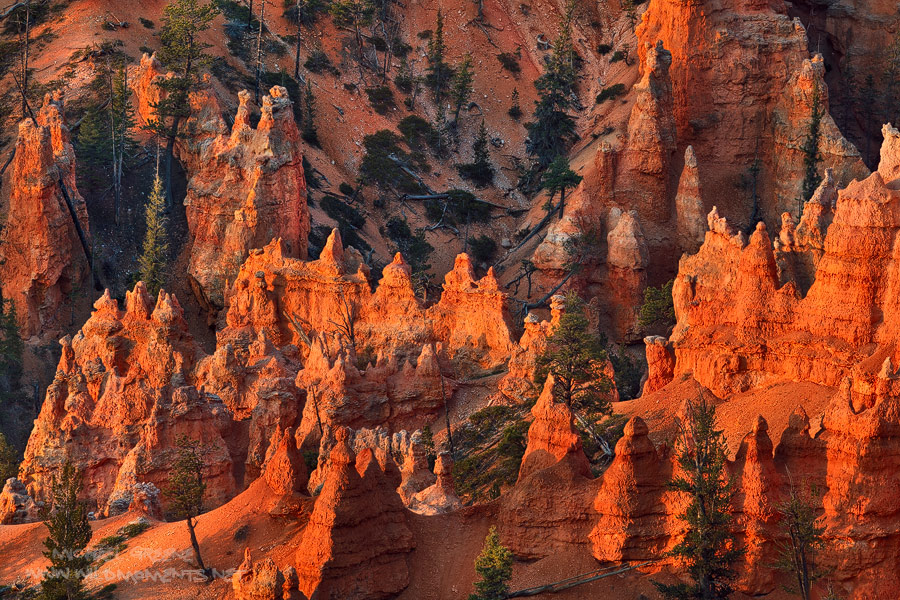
{"points": [[346, 326], [262, 20]]}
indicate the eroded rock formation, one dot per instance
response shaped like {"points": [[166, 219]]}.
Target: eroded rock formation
{"points": [[43, 260]]}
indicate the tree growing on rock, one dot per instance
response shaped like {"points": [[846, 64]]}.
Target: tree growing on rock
{"points": [[156, 246], [559, 178], [553, 128], [810, 148], [186, 490], [708, 551], [494, 568], [69, 534], [797, 556], [184, 53]]}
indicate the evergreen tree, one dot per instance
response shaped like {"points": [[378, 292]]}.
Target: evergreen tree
{"points": [[183, 53], [559, 178], [708, 550], [803, 531], [439, 73], [153, 257], [354, 14], [186, 490], [121, 123], [811, 155], [11, 345], [462, 86], [479, 171], [553, 129], [93, 147], [309, 133], [9, 460], [494, 568], [515, 111], [69, 534], [575, 357]]}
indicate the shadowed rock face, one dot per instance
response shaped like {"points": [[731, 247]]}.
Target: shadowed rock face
{"points": [[43, 260]]}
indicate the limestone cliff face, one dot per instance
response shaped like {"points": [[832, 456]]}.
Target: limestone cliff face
{"points": [[290, 298], [122, 395], [357, 540], [248, 190], [246, 186], [742, 320], [43, 260]]}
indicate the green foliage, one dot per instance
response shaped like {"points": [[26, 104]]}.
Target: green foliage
{"points": [[461, 88], [465, 207], [11, 345], [381, 98], [152, 262], [515, 111], [317, 62], [803, 532], [810, 148], [553, 129], [559, 177], [617, 56], [413, 246], [627, 373], [483, 248], [309, 132], [341, 211], [417, 131], [93, 148], [479, 171], [9, 460], [69, 534], [183, 52], [111, 541], [346, 189], [428, 443], [311, 459], [604, 49], [378, 168], [658, 309], [135, 529], [510, 60], [307, 12], [708, 549], [489, 450], [575, 357], [186, 486], [494, 568], [354, 14], [404, 79], [610, 93], [439, 73], [146, 23]]}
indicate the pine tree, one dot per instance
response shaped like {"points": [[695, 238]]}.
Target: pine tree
{"points": [[11, 345], [355, 14], [559, 178], [186, 490], [515, 111], [494, 568], [479, 171], [121, 123], [803, 531], [439, 73], [708, 550], [9, 463], [183, 53], [156, 246], [553, 129], [810, 148], [310, 134], [462, 86], [93, 147], [69, 534], [575, 357]]}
